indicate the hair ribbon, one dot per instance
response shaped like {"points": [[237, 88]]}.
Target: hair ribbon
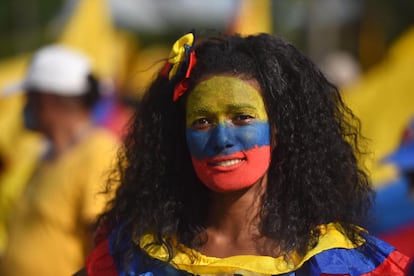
{"points": [[180, 62]]}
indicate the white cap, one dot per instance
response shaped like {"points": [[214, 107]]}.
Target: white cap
{"points": [[58, 70]]}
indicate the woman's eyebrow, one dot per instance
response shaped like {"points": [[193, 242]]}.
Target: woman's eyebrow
{"points": [[241, 106], [200, 110], [229, 107]]}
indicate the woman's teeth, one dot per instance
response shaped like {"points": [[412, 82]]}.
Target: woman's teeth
{"points": [[228, 162]]}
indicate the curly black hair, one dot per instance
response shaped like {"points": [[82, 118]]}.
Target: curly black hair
{"points": [[314, 177]]}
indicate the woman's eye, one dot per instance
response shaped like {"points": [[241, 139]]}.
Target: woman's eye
{"points": [[201, 124], [243, 119]]}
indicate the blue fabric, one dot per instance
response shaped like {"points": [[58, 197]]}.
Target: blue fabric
{"points": [[141, 264], [403, 157], [340, 261], [392, 208], [357, 261], [103, 109]]}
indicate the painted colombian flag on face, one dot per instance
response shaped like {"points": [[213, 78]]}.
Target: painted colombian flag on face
{"points": [[228, 133]]}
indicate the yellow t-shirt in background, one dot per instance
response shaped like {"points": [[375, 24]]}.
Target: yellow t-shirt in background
{"points": [[48, 228]]}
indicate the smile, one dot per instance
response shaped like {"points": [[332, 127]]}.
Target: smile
{"points": [[226, 163]]}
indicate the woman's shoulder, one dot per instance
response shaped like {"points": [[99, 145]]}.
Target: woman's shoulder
{"points": [[333, 254]]}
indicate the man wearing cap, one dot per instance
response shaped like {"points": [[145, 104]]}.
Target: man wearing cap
{"points": [[49, 231]]}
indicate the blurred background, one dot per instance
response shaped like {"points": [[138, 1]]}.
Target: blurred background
{"points": [[365, 47]]}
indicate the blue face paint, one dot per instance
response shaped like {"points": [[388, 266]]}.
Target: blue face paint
{"points": [[226, 139]]}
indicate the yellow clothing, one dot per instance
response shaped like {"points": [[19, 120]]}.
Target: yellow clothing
{"points": [[48, 230], [333, 254], [192, 261], [19, 166], [19, 150]]}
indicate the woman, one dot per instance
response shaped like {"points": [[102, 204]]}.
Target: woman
{"points": [[241, 161]]}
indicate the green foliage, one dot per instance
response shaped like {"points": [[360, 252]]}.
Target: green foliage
{"points": [[25, 24]]}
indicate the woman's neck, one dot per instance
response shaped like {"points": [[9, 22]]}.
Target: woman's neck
{"points": [[232, 226]]}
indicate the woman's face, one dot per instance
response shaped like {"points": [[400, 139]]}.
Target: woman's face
{"points": [[228, 133]]}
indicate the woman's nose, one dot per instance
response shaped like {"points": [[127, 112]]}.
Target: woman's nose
{"points": [[222, 138]]}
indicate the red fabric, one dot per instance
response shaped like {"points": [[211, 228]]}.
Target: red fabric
{"points": [[402, 239], [180, 89], [395, 264], [166, 69], [182, 86], [100, 261], [191, 64], [117, 119]]}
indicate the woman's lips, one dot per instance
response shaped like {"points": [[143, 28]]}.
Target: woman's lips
{"points": [[226, 162]]}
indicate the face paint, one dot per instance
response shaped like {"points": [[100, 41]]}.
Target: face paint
{"points": [[228, 134]]}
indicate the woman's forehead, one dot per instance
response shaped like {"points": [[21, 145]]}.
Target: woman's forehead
{"points": [[223, 86], [219, 93]]}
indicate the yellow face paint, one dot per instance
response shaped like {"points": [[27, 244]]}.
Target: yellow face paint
{"points": [[222, 97]]}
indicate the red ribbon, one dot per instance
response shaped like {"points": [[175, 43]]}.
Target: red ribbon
{"points": [[182, 86]]}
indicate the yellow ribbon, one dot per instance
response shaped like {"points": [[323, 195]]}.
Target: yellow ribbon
{"points": [[177, 54]]}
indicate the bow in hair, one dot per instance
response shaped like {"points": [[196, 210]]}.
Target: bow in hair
{"points": [[180, 62]]}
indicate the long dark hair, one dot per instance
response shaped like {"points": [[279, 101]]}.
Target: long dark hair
{"points": [[313, 178]]}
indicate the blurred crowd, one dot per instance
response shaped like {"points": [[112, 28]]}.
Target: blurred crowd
{"points": [[53, 213], [65, 107]]}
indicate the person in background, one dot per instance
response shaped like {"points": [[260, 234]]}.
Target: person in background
{"points": [[242, 160], [50, 227]]}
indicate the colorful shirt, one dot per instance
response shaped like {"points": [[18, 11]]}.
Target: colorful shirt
{"points": [[333, 255]]}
